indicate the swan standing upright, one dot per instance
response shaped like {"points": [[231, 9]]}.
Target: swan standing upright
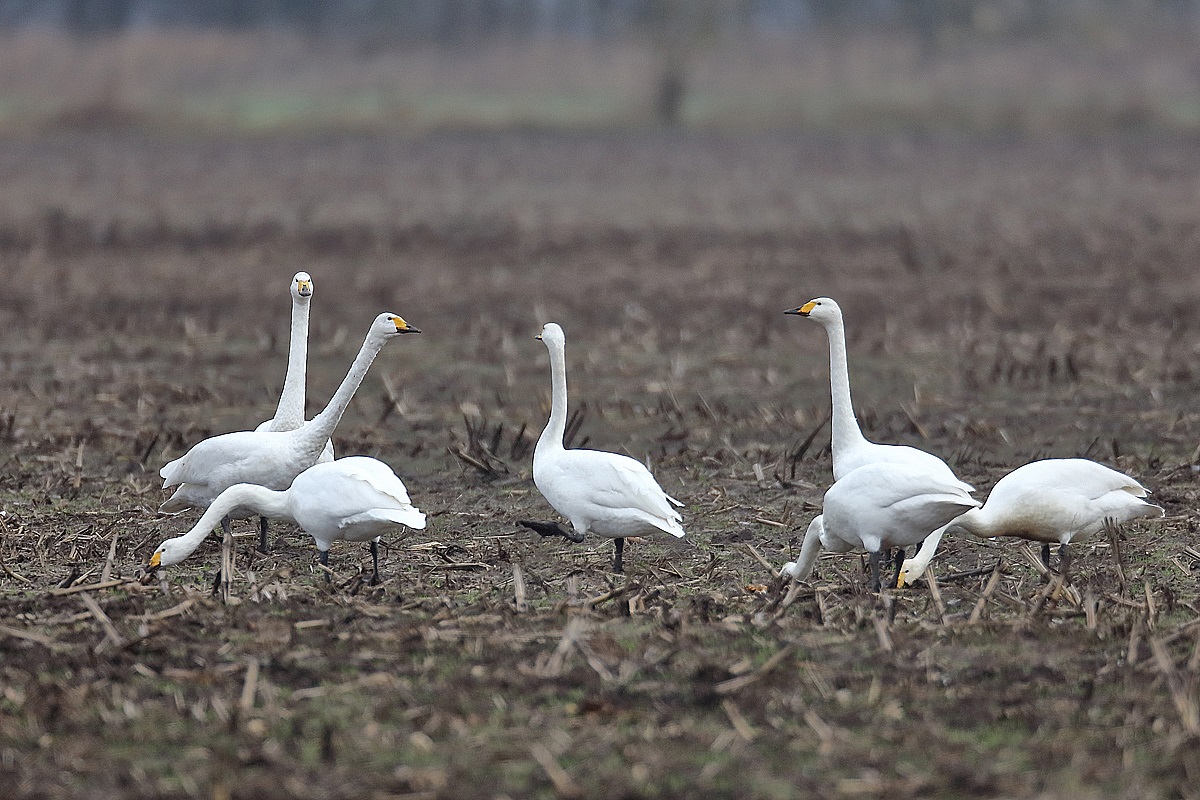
{"points": [[1055, 500], [604, 493], [877, 507], [353, 499], [850, 449], [270, 458], [289, 414]]}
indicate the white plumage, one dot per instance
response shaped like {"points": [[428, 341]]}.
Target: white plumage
{"points": [[850, 448], [877, 507], [354, 499], [289, 414], [604, 493], [1055, 500], [270, 458]]}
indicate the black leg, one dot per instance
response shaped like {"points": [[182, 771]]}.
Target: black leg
{"points": [[1046, 555], [551, 529], [324, 559], [375, 562], [1064, 561], [226, 557], [898, 561], [263, 547], [875, 559], [618, 561]]}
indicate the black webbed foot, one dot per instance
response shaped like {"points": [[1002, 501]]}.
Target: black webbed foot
{"points": [[551, 529]]}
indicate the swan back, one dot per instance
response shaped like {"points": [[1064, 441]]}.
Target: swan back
{"points": [[892, 505], [1060, 500], [355, 498]]}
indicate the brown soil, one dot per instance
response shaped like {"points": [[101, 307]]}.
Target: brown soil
{"points": [[1005, 300]]}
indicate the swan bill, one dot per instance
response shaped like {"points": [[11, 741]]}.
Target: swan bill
{"points": [[155, 561], [402, 326], [804, 310]]}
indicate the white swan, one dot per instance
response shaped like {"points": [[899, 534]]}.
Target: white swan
{"points": [[877, 507], [1055, 500], [850, 449], [289, 414], [269, 458], [354, 499], [604, 493]]}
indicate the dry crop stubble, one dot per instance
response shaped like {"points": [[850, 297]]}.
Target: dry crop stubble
{"points": [[490, 661]]}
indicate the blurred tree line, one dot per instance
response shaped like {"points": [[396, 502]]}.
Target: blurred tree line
{"points": [[454, 21]]}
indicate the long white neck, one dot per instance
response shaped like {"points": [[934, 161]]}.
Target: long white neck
{"points": [[552, 435], [314, 433], [290, 412], [846, 433], [975, 521], [249, 496]]}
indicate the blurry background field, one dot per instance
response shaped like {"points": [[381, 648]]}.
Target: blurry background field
{"points": [[821, 65], [1004, 197]]}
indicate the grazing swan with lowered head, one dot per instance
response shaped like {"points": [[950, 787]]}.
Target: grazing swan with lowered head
{"points": [[603, 493], [289, 414], [877, 507], [270, 458], [354, 499], [1055, 500]]}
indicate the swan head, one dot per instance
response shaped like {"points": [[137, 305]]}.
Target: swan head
{"points": [[302, 286], [169, 553], [552, 334], [910, 571], [388, 325], [822, 309]]}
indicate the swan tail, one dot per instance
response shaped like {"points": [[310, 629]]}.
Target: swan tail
{"points": [[409, 517], [175, 503]]}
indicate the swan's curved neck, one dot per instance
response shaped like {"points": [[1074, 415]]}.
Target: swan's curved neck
{"points": [[846, 433], [251, 497], [316, 431], [552, 435], [290, 411], [974, 521]]}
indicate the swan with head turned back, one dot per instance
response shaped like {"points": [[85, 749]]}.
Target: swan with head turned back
{"points": [[270, 458], [877, 507], [603, 493], [289, 414], [850, 449], [1057, 500], [352, 499]]}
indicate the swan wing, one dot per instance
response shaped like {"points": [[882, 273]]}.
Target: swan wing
{"points": [[351, 490], [617, 482], [198, 463]]}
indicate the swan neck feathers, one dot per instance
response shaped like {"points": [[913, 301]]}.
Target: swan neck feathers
{"points": [[289, 414], [239, 496], [552, 435], [320, 427], [846, 432]]}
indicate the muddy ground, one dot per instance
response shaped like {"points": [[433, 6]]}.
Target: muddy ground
{"points": [[1005, 300]]}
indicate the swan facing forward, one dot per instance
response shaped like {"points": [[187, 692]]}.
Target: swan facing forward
{"points": [[289, 414], [1055, 500], [603, 493], [270, 458], [877, 507], [354, 499]]}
